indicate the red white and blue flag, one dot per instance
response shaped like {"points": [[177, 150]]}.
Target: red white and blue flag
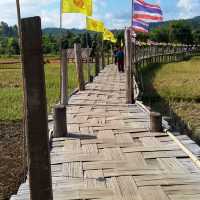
{"points": [[146, 12], [140, 26]]}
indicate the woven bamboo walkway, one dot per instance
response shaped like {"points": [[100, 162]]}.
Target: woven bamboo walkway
{"points": [[110, 153]]}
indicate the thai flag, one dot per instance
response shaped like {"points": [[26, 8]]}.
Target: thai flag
{"points": [[147, 12], [140, 26]]}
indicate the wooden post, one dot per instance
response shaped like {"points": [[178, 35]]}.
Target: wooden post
{"points": [[112, 59], [111, 54], [129, 71], [90, 77], [103, 64], [97, 63], [151, 54], [169, 53], [108, 59], [60, 122], [64, 78], [79, 67], [155, 122], [103, 59], [36, 126]]}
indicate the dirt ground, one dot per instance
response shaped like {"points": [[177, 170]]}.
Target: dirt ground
{"points": [[11, 159]]}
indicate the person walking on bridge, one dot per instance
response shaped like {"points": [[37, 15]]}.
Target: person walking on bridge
{"points": [[120, 59]]}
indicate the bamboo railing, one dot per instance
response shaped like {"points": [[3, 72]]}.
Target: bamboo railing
{"points": [[139, 54]]}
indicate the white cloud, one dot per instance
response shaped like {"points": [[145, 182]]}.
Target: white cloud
{"points": [[48, 10], [188, 8]]}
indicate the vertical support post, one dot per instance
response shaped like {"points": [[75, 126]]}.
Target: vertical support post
{"points": [[97, 63], [151, 54], [90, 78], [111, 54], [60, 121], [129, 71], [155, 122], [64, 78], [108, 59], [79, 67], [88, 65], [36, 126], [103, 56], [163, 54]]}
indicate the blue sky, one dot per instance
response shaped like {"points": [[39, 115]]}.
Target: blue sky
{"points": [[115, 13]]}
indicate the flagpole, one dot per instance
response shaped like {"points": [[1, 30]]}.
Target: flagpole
{"points": [[132, 12], [133, 16], [88, 56], [60, 47], [25, 160], [19, 19], [102, 52]]}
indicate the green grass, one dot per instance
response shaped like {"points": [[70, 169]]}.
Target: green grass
{"points": [[11, 95], [175, 88], [179, 80]]}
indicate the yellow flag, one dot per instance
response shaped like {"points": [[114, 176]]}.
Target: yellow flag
{"points": [[94, 25], [108, 35], [114, 40], [77, 6], [122, 44]]}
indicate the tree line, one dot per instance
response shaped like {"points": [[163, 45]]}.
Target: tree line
{"points": [[173, 32]]}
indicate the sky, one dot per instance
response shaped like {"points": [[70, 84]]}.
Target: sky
{"points": [[114, 13]]}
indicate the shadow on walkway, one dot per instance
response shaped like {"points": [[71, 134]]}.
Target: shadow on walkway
{"points": [[81, 136]]}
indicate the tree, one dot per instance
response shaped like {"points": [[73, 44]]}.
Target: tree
{"points": [[160, 35], [180, 32], [12, 46], [84, 40], [3, 45], [142, 37], [196, 36], [50, 44]]}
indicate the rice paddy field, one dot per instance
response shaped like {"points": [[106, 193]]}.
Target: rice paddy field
{"points": [[174, 90], [11, 114]]}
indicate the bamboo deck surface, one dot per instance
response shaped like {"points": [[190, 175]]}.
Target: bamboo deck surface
{"points": [[110, 154]]}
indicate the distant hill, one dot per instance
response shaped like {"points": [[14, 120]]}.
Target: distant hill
{"points": [[56, 31], [194, 23], [11, 31]]}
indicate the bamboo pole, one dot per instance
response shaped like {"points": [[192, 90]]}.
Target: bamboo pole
{"points": [[129, 71], [36, 110], [79, 67]]}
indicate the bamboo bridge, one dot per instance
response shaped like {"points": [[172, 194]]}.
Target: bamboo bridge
{"points": [[113, 146]]}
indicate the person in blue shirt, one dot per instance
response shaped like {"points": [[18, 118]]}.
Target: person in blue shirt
{"points": [[120, 59]]}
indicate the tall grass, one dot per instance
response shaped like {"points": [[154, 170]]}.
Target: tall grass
{"points": [[175, 88], [11, 94]]}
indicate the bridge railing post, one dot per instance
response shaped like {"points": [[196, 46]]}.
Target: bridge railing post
{"points": [[36, 126], [103, 64], [129, 68], [97, 63], [108, 59], [79, 67], [64, 77], [111, 55], [60, 121], [155, 122]]}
